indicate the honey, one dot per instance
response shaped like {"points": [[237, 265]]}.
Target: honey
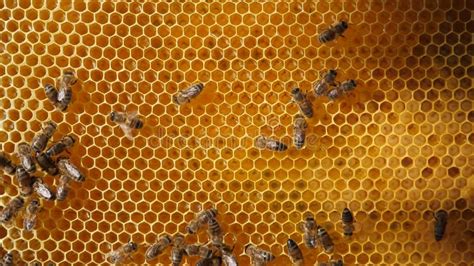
{"points": [[395, 150]]}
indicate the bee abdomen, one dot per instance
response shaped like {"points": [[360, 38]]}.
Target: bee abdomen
{"points": [[278, 146], [136, 123], [51, 93], [440, 224]]}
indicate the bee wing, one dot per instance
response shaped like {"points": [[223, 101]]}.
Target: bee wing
{"points": [[127, 130], [300, 227], [61, 94], [131, 115]]}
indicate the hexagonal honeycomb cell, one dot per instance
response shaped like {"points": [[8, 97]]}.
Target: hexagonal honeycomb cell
{"points": [[395, 150]]}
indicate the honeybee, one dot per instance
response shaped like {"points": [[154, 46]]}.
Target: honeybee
{"points": [[51, 93], [325, 240], [122, 253], [156, 249], [47, 164], [299, 131], [188, 94], [63, 188], [65, 143], [43, 190], [344, 87], [26, 159], [441, 220], [201, 219], [41, 139], [228, 257], [214, 261], [31, 214], [65, 82], [25, 181], [258, 255], [322, 86], [331, 263], [177, 252], [333, 32], [198, 250], [262, 142], [347, 222], [303, 103], [127, 122], [294, 252], [215, 232], [6, 164], [7, 259], [11, 210], [66, 167], [310, 231]]}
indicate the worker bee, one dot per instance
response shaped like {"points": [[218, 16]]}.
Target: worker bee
{"points": [[177, 252], [122, 253], [11, 210], [201, 219], [47, 164], [188, 94], [64, 96], [322, 86], [63, 188], [7, 259], [51, 93], [215, 232], [227, 256], [344, 87], [43, 190], [303, 103], [294, 252], [198, 250], [41, 140], [25, 181], [299, 131], [310, 231], [31, 214], [332, 262], [258, 255], [266, 143], [347, 222], [65, 143], [441, 220], [6, 164], [333, 32], [325, 240], [127, 122], [156, 249], [26, 159], [213, 261], [66, 167]]}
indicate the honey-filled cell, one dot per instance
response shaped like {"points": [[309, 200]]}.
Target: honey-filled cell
{"points": [[393, 150]]}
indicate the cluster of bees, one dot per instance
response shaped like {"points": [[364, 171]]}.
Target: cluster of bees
{"points": [[213, 254]]}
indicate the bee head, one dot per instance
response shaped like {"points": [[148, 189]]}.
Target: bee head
{"points": [[333, 72], [344, 24], [175, 99], [113, 116], [132, 245], [353, 82], [69, 139], [295, 91]]}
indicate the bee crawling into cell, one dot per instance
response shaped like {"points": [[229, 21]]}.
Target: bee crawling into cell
{"points": [[40, 140], [6, 164], [31, 215], [441, 220], [156, 249], [257, 255], [201, 219], [322, 86], [341, 89], [186, 95], [263, 142], [26, 158], [333, 32], [122, 253], [127, 122], [302, 101], [347, 222], [294, 252], [11, 209], [299, 131]]}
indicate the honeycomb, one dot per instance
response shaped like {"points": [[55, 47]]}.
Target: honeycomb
{"points": [[396, 149]]}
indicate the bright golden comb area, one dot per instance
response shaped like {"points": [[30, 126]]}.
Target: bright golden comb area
{"points": [[395, 150]]}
